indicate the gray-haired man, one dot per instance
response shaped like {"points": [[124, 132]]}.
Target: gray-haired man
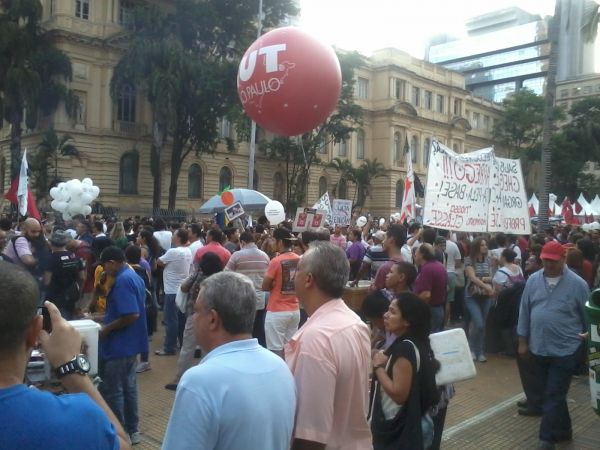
{"points": [[242, 395]]}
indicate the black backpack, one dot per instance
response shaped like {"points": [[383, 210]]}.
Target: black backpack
{"points": [[506, 310]]}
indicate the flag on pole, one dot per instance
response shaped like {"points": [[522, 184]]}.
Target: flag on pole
{"points": [[20, 194], [408, 202]]}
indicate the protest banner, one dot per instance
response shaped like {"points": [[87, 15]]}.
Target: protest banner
{"points": [[324, 205], [408, 202], [475, 192], [508, 211], [308, 219], [341, 212]]}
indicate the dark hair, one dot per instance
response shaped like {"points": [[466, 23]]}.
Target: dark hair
{"points": [[175, 226], [409, 270], [86, 224], [5, 224], [587, 248], [398, 233], [537, 239], [182, 235], [429, 236], [99, 226], [195, 228], [16, 316], [574, 258], [159, 224], [284, 235], [550, 231], [151, 242], [230, 231], [414, 227], [444, 233], [262, 220], [511, 238], [375, 305], [501, 240], [357, 234], [509, 255], [210, 263], [474, 248], [308, 237], [260, 229], [247, 237], [427, 251], [536, 249], [79, 217], [323, 236], [100, 244], [215, 234], [128, 225], [133, 253]]}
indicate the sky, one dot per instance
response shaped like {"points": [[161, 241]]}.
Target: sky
{"points": [[367, 25]]}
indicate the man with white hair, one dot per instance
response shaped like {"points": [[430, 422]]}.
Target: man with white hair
{"points": [[329, 357], [242, 395]]}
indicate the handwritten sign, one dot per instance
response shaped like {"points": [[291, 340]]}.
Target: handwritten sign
{"points": [[475, 192], [324, 205], [341, 212]]}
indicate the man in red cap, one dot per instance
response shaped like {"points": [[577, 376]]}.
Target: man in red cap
{"points": [[551, 329]]}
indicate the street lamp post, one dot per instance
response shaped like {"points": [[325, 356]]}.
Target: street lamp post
{"points": [[253, 128]]}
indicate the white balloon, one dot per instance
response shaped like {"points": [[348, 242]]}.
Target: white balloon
{"points": [[595, 226], [86, 199], [76, 191], [274, 212], [361, 221], [397, 216], [87, 210], [67, 216], [54, 193], [61, 206], [54, 204], [87, 182], [381, 222], [95, 191], [62, 185], [75, 207]]}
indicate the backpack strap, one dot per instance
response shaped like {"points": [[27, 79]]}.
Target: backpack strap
{"points": [[417, 354]]}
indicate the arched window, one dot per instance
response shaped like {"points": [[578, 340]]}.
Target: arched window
{"points": [[360, 145], [323, 144], [322, 186], [397, 143], [414, 148], [2, 174], [426, 145], [455, 147], [399, 193], [225, 178], [255, 180], [128, 174], [126, 105], [343, 191], [342, 148], [195, 181], [278, 187]]}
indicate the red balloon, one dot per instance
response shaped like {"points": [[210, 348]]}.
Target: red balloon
{"points": [[289, 82], [227, 198]]}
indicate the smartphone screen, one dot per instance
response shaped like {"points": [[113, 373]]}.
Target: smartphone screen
{"points": [[47, 321]]}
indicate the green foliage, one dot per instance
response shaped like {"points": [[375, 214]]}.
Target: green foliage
{"points": [[364, 175], [589, 185], [591, 18], [186, 64], [299, 156], [32, 71], [567, 164]]}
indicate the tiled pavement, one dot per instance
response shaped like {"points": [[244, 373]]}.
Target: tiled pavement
{"points": [[483, 415]]}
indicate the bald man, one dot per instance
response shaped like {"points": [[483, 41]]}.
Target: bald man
{"points": [[19, 247]]}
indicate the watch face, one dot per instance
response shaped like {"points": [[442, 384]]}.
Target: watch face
{"points": [[83, 363]]}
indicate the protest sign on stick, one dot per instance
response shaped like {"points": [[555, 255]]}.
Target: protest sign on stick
{"points": [[341, 212]]}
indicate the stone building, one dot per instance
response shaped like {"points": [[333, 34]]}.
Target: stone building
{"points": [[405, 98]]}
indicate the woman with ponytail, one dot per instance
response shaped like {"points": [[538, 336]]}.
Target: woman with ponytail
{"points": [[404, 379]]}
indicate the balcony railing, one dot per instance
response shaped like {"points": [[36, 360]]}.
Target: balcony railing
{"points": [[130, 128]]}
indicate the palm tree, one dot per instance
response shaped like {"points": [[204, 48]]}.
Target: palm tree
{"points": [[31, 72], [364, 175], [345, 169]]}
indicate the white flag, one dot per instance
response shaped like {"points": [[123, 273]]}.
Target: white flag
{"points": [[325, 205], [22, 190], [408, 202]]}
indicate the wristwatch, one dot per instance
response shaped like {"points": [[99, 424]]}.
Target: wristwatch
{"points": [[79, 364]]}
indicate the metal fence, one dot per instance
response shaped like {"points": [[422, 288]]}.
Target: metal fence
{"points": [[181, 215]]}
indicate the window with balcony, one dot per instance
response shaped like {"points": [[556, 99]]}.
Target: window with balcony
{"points": [[428, 100], [360, 145], [399, 193], [564, 93], [414, 148], [486, 123], [399, 87], [457, 107], [440, 103], [416, 96], [322, 186], [126, 105], [128, 174], [426, 145], [195, 181], [225, 128], [468, 115], [323, 145], [125, 13], [82, 9], [342, 148], [278, 187], [396, 149], [564, 105], [455, 148], [475, 120], [587, 89], [363, 88], [576, 91], [225, 178]]}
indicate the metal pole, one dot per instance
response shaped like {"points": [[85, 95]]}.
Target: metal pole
{"points": [[253, 128]]}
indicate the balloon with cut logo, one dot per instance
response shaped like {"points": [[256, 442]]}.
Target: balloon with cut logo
{"points": [[274, 212], [289, 82], [227, 198]]}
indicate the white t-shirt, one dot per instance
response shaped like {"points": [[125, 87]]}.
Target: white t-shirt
{"points": [[453, 255], [99, 235], [194, 246], [406, 253], [552, 282], [177, 268], [515, 248], [164, 239]]}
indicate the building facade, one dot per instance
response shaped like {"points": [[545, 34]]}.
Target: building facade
{"points": [[405, 100]]}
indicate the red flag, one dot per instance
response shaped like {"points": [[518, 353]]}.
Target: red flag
{"points": [[578, 208], [568, 212], [589, 219], [531, 211], [11, 196]]}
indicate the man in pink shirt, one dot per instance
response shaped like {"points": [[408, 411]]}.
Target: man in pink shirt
{"points": [[329, 357], [213, 245], [337, 238]]}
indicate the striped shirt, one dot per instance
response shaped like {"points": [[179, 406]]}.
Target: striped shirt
{"points": [[376, 257], [252, 262], [552, 318]]}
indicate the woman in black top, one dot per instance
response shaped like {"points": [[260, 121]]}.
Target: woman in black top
{"points": [[403, 378]]}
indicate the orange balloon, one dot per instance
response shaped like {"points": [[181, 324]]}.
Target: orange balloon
{"points": [[227, 198]]}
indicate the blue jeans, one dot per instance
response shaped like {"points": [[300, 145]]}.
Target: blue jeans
{"points": [[171, 318], [437, 318], [554, 375], [479, 309], [119, 390]]}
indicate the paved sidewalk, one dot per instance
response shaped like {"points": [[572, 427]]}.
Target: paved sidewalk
{"points": [[483, 415]]}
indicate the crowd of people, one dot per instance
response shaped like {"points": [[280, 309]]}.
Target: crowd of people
{"points": [[283, 358]]}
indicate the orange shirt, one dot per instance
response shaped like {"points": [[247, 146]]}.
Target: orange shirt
{"points": [[330, 357], [282, 270]]}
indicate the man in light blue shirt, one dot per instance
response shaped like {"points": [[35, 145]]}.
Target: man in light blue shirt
{"points": [[241, 396], [551, 328]]}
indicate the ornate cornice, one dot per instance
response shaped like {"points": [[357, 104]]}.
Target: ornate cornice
{"points": [[461, 123]]}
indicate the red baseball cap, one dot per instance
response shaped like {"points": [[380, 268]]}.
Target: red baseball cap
{"points": [[553, 250]]}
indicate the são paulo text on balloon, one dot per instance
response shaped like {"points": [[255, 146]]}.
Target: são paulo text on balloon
{"points": [[74, 197], [289, 82], [274, 212]]}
